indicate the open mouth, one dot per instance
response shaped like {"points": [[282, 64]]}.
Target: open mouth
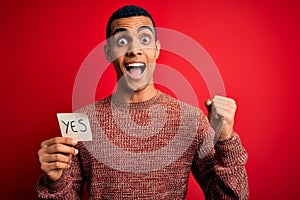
{"points": [[135, 70]]}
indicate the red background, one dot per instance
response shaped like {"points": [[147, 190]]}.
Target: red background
{"points": [[254, 44]]}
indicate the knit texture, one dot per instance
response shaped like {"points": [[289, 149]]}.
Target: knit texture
{"points": [[146, 150]]}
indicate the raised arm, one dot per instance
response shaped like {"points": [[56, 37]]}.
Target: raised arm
{"points": [[220, 168]]}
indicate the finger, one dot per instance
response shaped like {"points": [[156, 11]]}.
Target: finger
{"points": [[224, 99], [226, 105], [224, 112], [219, 113], [208, 104], [59, 140], [220, 106], [46, 167], [56, 158], [224, 115], [61, 148]]}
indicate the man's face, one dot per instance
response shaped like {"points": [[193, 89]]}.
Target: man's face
{"points": [[133, 51]]}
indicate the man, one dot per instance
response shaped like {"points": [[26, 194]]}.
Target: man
{"points": [[138, 120]]}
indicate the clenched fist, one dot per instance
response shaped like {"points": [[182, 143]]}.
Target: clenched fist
{"points": [[221, 112]]}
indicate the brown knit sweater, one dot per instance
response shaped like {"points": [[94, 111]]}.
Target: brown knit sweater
{"points": [[146, 150]]}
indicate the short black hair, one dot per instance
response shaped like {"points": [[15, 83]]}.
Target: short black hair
{"points": [[128, 11]]}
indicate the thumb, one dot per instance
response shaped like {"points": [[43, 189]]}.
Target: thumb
{"points": [[208, 105]]}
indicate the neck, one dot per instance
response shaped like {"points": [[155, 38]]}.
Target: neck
{"points": [[129, 96]]}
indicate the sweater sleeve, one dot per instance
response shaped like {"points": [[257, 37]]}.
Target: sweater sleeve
{"points": [[220, 169], [68, 186]]}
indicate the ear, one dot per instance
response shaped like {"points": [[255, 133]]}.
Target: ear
{"points": [[157, 51], [107, 52]]}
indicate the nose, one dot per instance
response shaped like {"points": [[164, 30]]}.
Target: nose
{"points": [[134, 49]]}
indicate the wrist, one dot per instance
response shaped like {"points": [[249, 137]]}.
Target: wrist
{"points": [[226, 135]]}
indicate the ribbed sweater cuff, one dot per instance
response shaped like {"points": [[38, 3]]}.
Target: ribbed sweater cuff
{"points": [[57, 185], [230, 152]]}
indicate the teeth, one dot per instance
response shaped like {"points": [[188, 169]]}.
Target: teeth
{"points": [[135, 65]]}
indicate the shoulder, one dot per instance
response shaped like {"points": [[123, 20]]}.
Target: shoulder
{"points": [[184, 107], [186, 110], [192, 118]]}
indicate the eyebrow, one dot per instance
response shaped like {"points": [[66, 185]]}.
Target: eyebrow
{"points": [[125, 30], [119, 30], [145, 27]]}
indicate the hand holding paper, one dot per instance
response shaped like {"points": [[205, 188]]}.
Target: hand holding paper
{"points": [[55, 156]]}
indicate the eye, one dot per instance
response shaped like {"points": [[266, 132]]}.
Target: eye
{"points": [[145, 39], [122, 42]]}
